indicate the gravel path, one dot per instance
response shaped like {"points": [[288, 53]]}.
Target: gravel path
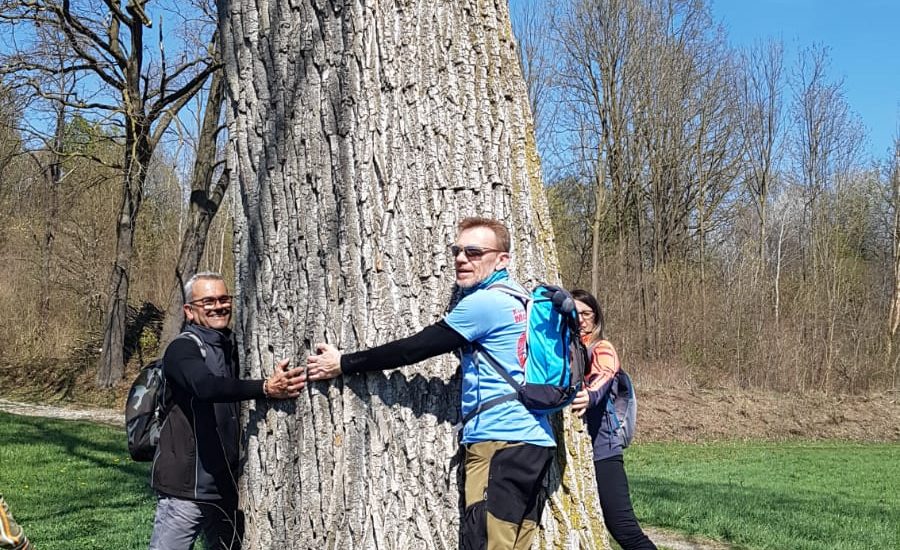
{"points": [[669, 540], [102, 416]]}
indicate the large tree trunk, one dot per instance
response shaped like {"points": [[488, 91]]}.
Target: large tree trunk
{"points": [[207, 193], [360, 134]]}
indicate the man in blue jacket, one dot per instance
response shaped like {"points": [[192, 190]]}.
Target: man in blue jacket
{"points": [[508, 449], [195, 469]]}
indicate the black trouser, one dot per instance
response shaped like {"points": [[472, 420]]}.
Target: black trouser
{"points": [[612, 485]]}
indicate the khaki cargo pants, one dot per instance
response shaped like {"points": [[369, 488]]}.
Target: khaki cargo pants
{"points": [[502, 494]]}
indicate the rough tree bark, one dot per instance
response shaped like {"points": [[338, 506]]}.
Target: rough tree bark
{"points": [[361, 132]]}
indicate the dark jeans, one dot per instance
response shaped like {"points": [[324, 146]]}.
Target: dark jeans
{"points": [[612, 486]]}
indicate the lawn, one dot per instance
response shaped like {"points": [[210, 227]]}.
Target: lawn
{"points": [[772, 495], [72, 485]]}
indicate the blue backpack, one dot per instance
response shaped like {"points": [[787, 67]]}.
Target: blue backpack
{"points": [[555, 356], [621, 405]]}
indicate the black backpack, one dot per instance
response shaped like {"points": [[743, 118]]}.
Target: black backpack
{"points": [[147, 406]]}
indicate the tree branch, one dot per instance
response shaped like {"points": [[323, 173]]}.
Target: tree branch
{"points": [[71, 25]]}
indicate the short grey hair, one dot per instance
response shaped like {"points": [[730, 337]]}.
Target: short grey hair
{"points": [[204, 275]]}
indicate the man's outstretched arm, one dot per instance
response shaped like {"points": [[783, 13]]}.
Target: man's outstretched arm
{"points": [[431, 341]]}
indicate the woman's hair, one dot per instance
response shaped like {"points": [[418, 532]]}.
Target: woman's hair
{"points": [[588, 299]]}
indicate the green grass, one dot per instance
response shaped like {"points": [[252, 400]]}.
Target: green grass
{"points": [[72, 485], [771, 495]]}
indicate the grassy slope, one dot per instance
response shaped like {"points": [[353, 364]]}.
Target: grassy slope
{"points": [[772, 495], [72, 484]]}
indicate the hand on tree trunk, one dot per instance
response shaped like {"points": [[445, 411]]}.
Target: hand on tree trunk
{"points": [[284, 383], [326, 364]]}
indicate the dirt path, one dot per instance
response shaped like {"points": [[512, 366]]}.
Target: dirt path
{"points": [[671, 540], [101, 416]]}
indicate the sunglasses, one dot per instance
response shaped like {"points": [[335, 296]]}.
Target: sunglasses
{"points": [[471, 252]]}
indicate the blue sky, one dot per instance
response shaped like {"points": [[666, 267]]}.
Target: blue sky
{"points": [[863, 37]]}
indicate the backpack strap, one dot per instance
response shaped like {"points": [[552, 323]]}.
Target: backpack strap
{"points": [[479, 351], [512, 291], [190, 335], [489, 404], [163, 399]]}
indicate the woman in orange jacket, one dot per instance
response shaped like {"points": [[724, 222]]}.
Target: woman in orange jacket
{"points": [[590, 403]]}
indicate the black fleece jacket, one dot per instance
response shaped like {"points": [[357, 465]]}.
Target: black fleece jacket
{"points": [[198, 452]]}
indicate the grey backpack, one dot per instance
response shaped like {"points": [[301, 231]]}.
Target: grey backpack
{"points": [[621, 405], [147, 405]]}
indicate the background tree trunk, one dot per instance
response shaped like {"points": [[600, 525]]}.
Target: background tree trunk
{"points": [[207, 193], [53, 176], [894, 312], [360, 134], [111, 364]]}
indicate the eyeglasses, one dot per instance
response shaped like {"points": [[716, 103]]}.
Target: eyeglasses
{"points": [[471, 252], [586, 314], [210, 301]]}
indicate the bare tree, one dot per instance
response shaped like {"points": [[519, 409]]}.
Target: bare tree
{"points": [[829, 135], [894, 313], [652, 84], [599, 44], [10, 150], [686, 125], [531, 25], [370, 130], [762, 125], [827, 142], [136, 89], [209, 184]]}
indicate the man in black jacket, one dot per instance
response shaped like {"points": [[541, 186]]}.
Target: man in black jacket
{"points": [[196, 465]]}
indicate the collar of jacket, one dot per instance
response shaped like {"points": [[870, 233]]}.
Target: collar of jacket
{"points": [[497, 276], [211, 336]]}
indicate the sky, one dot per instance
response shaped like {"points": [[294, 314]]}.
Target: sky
{"points": [[863, 38]]}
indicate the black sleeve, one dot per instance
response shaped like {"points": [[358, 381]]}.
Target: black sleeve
{"points": [[431, 341], [185, 367]]}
